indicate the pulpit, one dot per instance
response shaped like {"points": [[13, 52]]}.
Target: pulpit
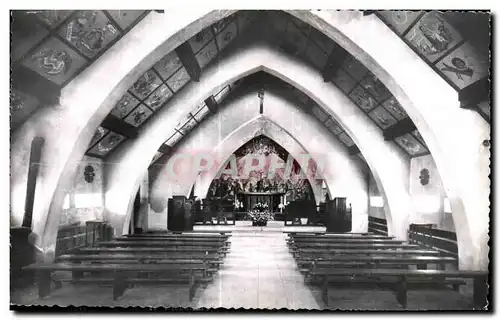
{"points": [[180, 217], [338, 218]]}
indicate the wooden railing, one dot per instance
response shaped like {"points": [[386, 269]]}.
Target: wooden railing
{"points": [[441, 240], [77, 236], [377, 225]]}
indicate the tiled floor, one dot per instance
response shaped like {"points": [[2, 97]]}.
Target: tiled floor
{"points": [[258, 272]]}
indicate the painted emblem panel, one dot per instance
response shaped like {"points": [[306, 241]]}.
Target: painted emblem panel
{"points": [[464, 66], [125, 18], [410, 145], [393, 106], [22, 42], [178, 80], [206, 54], [399, 20], [98, 134], [173, 139], [21, 107], [355, 68], [316, 55], [146, 84], [333, 126], [107, 144], [55, 61], [124, 106], [346, 139], [363, 99], [138, 116], [419, 137], [319, 113], [326, 44], [382, 118], [344, 81], [168, 65], [375, 87], [52, 17], [432, 36], [200, 112], [158, 97], [89, 31], [227, 35], [200, 40]]}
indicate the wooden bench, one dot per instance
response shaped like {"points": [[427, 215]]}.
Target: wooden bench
{"points": [[122, 275], [400, 280], [149, 250], [335, 246], [319, 233], [327, 236], [321, 241], [421, 262], [182, 240], [175, 237], [212, 260], [221, 232], [164, 244]]}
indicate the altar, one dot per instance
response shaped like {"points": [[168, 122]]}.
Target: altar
{"points": [[250, 199]]}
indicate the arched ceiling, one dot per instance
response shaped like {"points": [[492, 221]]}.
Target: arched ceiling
{"points": [[157, 86]]}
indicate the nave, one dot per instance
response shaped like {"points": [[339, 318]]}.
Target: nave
{"points": [[158, 157]]}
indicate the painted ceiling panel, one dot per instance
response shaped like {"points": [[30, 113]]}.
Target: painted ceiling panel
{"points": [[52, 17], [89, 31], [201, 112], [319, 113], [411, 145], [221, 94], [124, 106], [146, 84], [400, 20], [158, 97], [346, 139], [178, 80], [156, 157], [432, 36], [375, 87], [297, 41], [55, 61], [138, 116], [355, 68], [222, 24], [100, 132], [485, 108], [363, 99], [325, 43], [205, 55], [168, 65], [419, 137], [316, 55], [200, 39], [393, 106], [344, 81], [464, 66], [22, 42], [21, 107], [333, 126], [188, 126], [227, 35], [125, 18], [107, 144], [173, 139], [382, 118]]}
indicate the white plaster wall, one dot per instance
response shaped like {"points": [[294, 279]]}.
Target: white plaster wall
{"points": [[344, 177]]}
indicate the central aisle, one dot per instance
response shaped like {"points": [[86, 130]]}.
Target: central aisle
{"points": [[259, 272]]}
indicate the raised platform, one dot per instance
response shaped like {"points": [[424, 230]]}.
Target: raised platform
{"points": [[272, 226]]}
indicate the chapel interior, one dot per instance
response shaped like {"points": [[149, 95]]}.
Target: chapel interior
{"points": [[260, 159]]}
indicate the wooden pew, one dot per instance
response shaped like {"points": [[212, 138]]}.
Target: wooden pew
{"points": [[401, 280], [346, 250], [321, 241], [327, 236], [175, 236], [122, 275], [335, 246], [319, 233], [221, 232], [212, 260], [209, 240], [164, 244], [421, 262], [104, 250]]}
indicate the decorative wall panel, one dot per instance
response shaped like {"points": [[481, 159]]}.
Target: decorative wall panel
{"points": [[168, 65], [178, 80], [206, 54], [146, 84], [138, 116], [124, 106], [382, 118], [363, 99], [400, 20], [161, 95], [410, 145], [125, 18]]}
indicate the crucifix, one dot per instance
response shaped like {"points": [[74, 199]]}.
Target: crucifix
{"points": [[261, 97]]}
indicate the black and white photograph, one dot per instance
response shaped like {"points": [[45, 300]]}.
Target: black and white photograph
{"points": [[250, 159]]}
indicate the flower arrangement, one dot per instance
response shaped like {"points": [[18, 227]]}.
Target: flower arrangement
{"points": [[260, 214]]}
